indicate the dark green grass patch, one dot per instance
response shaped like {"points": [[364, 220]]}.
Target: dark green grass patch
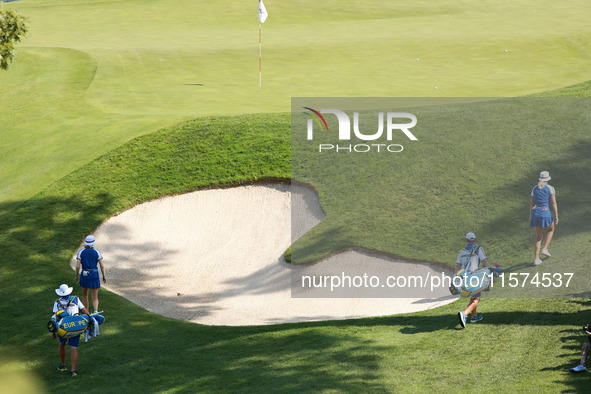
{"points": [[519, 346], [39, 237], [578, 90]]}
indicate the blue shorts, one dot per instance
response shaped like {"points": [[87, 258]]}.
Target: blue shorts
{"points": [[73, 342], [540, 217]]}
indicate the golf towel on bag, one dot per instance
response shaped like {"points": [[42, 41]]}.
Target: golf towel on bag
{"points": [[93, 330]]}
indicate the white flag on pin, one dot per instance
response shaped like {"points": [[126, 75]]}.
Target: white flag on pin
{"points": [[263, 14]]}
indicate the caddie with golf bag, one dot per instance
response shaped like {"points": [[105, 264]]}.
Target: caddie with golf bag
{"points": [[67, 325], [471, 279]]}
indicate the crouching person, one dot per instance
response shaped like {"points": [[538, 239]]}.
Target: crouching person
{"points": [[72, 306]]}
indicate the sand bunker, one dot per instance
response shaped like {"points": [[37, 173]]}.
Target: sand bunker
{"points": [[215, 257]]}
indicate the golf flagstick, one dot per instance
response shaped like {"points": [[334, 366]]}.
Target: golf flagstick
{"points": [[260, 55], [263, 14]]}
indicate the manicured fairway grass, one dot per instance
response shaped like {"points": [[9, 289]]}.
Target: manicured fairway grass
{"points": [[47, 127], [94, 74], [522, 345], [197, 57]]}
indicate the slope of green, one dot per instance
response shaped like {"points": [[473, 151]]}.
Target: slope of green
{"points": [[47, 127], [582, 89]]}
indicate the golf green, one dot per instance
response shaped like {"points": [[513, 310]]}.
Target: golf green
{"points": [[93, 74]]}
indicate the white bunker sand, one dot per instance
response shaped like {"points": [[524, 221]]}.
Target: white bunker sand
{"points": [[215, 257]]}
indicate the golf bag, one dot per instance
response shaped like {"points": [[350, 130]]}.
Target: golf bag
{"points": [[68, 326], [466, 283]]}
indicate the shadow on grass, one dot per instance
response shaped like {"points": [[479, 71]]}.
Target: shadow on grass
{"points": [[583, 302], [422, 324], [332, 355], [230, 359], [142, 351], [577, 382], [570, 177], [7, 207], [36, 240]]}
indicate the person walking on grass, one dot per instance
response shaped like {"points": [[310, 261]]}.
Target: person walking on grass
{"points": [[540, 216], [73, 306], [585, 351], [90, 259], [470, 258]]}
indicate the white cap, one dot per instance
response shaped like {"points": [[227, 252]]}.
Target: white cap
{"points": [[64, 290], [544, 176], [89, 241], [470, 237]]}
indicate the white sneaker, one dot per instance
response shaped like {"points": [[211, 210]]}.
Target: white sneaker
{"points": [[546, 253], [537, 261]]}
